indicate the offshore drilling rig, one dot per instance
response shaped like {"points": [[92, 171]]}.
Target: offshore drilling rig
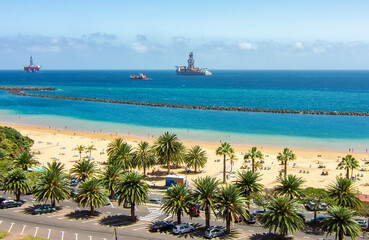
{"points": [[31, 67]]}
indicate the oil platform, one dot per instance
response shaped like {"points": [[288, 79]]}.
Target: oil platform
{"points": [[191, 69], [31, 67]]}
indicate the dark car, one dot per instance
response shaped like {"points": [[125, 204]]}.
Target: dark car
{"points": [[361, 222], [319, 219], [251, 219], [10, 204], [213, 232], [302, 216], [43, 209], [161, 226]]}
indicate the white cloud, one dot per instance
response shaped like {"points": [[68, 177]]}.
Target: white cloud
{"points": [[245, 45], [139, 47], [299, 45]]}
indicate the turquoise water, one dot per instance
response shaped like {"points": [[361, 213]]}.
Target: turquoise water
{"points": [[311, 90]]}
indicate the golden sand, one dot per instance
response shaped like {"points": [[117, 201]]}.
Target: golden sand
{"points": [[59, 145]]}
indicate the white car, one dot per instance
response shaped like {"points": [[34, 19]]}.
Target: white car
{"points": [[182, 228]]}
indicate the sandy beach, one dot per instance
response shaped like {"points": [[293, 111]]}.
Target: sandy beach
{"points": [[59, 144]]}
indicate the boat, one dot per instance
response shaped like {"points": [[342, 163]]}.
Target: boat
{"points": [[140, 76], [191, 69], [31, 67]]}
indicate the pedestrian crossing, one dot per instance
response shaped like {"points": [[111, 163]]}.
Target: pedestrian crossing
{"points": [[154, 213]]}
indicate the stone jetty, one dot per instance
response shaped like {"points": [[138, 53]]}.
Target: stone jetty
{"points": [[20, 92]]}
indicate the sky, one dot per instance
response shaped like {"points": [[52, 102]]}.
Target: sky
{"points": [[159, 34]]}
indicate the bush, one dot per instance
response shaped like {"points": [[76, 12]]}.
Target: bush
{"points": [[3, 234], [12, 141]]}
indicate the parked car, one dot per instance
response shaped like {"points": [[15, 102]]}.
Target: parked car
{"points": [[259, 212], [161, 226], [361, 222], [213, 232], [127, 205], [43, 209], [10, 204], [319, 219], [154, 200], [237, 218], [72, 192], [182, 228], [194, 210], [302, 216], [251, 219], [311, 205]]}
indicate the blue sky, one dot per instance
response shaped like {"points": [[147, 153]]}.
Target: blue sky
{"points": [[158, 34]]}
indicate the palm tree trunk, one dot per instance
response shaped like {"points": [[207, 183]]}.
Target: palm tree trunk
{"points": [[179, 216], [285, 168], [207, 216], [168, 164], [144, 170], [228, 220], [17, 195], [92, 210], [340, 235], [133, 216], [53, 202], [80, 156], [224, 168], [348, 173], [195, 168], [315, 214], [253, 165]]}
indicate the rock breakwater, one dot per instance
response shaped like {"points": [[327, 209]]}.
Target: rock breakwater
{"points": [[20, 92]]}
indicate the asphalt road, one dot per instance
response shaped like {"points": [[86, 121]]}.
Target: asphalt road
{"points": [[70, 222]]}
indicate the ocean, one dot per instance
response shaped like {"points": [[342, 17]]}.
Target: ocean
{"points": [[297, 90]]}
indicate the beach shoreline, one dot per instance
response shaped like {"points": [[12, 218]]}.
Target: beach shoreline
{"points": [[57, 144]]}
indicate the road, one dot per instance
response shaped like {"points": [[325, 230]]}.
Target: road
{"points": [[70, 222]]}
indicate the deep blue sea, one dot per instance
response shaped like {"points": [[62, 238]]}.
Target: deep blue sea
{"points": [[298, 90]]}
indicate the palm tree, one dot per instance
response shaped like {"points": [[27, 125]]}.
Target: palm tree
{"points": [[248, 183], [114, 145], [205, 193], [50, 185], [282, 216], [55, 166], [144, 156], [132, 190], [225, 149], [290, 186], [3, 154], [253, 154], [17, 183], [25, 161], [341, 222], [83, 170], [354, 165], [232, 159], [343, 193], [90, 148], [285, 157], [196, 157], [91, 193], [176, 201], [167, 147], [122, 156], [110, 178], [347, 163], [231, 203], [258, 165], [80, 149]]}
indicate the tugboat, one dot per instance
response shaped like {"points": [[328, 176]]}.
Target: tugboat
{"points": [[140, 76], [191, 69]]}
